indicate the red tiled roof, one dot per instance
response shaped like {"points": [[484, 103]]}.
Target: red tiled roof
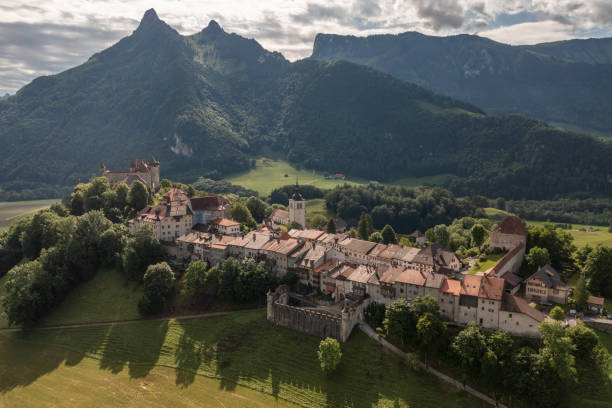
{"points": [[491, 288], [511, 225], [470, 285], [451, 286]]}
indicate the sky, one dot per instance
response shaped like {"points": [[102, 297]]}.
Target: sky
{"points": [[50, 36]]}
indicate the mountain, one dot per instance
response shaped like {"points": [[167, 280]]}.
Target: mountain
{"points": [[591, 50], [6, 95], [554, 82], [206, 104]]}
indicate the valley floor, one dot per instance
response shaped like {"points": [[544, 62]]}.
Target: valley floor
{"points": [[11, 210]]}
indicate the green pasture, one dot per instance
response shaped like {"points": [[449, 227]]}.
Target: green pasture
{"points": [[11, 210]]}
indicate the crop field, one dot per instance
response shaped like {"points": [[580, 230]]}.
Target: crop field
{"points": [[10, 210], [237, 351], [270, 174]]}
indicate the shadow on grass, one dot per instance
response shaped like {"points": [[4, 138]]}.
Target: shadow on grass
{"points": [[138, 349]]}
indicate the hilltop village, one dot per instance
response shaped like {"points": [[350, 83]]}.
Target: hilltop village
{"points": [[349, 273]]}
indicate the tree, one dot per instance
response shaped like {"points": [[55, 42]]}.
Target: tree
{"points": [[122, 192], [430, 330], [77, 203], [557, 350], [140, 252], [470, 346], [557, 314], [423, 305], [438, 235], [580, 293], [365, 227], [195, 279], [478, 235], [583, 338], [538, 257], [375, 237], [582, 254], [85, 246], [399, 321], [558, 243], [329, 354], [257, 208], [331, 226], [241, 213], [158, 282], [138, 196], [318, 221], [388, 235], [500, 203], [598, 269]]}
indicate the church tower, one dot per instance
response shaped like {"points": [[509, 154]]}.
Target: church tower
{"points": [[297, 207]]}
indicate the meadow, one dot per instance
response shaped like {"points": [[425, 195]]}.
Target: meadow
{"points": [[236, 351], [11, 210], [490, 261], [270, 174]]}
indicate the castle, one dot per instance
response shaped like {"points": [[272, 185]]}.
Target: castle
{"points": [[147, 172]]}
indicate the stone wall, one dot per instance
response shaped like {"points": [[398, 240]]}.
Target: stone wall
{"points": [[311, 321]]}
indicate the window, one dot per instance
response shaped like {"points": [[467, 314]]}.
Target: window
{"points": [[510, 315]]}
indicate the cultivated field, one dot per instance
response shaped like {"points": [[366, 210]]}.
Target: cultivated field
{"points": [[237, 350], [10, 210], [270, 174]]}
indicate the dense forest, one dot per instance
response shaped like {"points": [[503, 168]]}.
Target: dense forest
{"points": [[206, 104], [406, 209]]}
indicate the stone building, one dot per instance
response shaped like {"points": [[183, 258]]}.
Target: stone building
{"points": [[209, 208], [169, 219], [508, 234], [147, 172]]}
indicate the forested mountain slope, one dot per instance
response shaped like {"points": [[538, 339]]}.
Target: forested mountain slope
{"points": [[554, 82], [206, 104]]}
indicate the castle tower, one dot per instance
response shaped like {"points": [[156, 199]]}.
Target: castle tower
{"points": [[154, 166], [297, 207]]}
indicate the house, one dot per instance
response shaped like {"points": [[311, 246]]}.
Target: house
{"points": [[595, 304], [417, 237], [225, 226], [546, 286], [508, 234], [210, 207], [518, 318], [436, 258], [170, 219], [280, 217], [278, 251]]}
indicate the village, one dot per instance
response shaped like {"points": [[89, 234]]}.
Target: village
{"points": [[344, 275]]}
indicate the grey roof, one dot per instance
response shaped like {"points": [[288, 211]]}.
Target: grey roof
{"points": [[550, 277], [358, 245], [434, 280]]}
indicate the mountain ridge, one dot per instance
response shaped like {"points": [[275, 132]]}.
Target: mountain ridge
{"points": [[500, 78], [207, 103]]}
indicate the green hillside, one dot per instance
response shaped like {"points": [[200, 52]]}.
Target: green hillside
{"points": [[238, 350], [206, 104], [564, 82]]}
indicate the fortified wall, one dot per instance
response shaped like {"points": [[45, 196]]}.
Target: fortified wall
{"points": [[331, 322]]}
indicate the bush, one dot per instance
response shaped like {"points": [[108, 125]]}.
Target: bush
{"points": [[329, 354], [158, 282]]}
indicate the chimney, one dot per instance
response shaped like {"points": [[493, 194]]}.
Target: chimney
{"points": [[254, 237]]}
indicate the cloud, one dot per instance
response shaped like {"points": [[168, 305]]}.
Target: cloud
{"points": [[31, 50], [441, 13], [530, 33], [49, 36]]}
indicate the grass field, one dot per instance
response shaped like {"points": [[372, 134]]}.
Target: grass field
{"points": [[107, 297], [241, 349], [35, 376], [491, 261], [270, 174], [10, 210]]}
